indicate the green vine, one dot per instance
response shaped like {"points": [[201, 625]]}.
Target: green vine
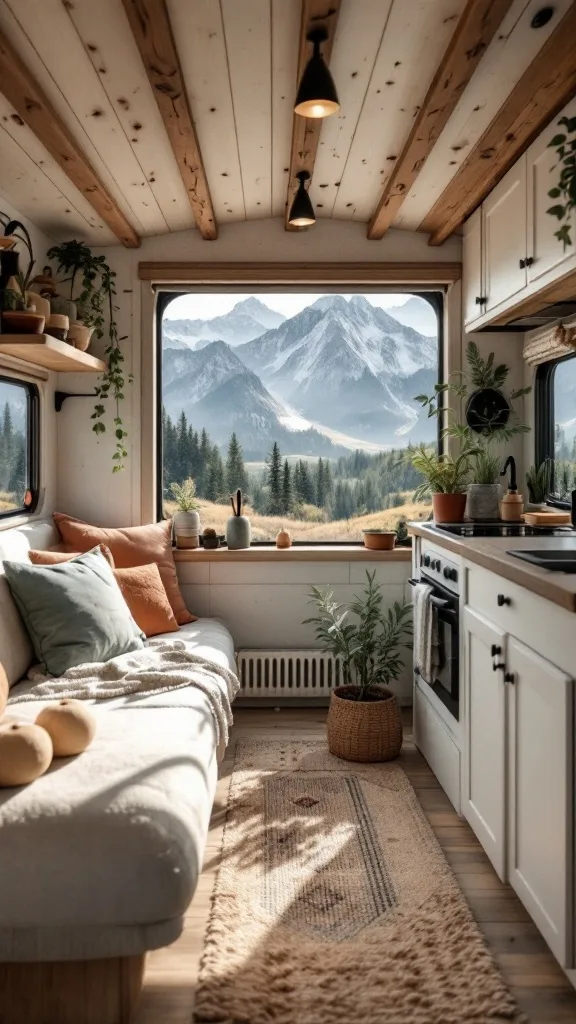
{"points": [[96, 308], [565, 190]]}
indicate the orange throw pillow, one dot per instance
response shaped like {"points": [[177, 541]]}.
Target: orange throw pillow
{"points": [[130, 547], [144, 593], [57, 557]]}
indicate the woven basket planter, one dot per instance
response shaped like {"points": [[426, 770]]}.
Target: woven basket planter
{"points": [[368, 730]]}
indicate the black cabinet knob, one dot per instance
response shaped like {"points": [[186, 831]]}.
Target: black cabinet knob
{"points": [[508, 677], [529, 261], [497, 666], [503, 600], [480, 300], [495, 650], [522, 264]]}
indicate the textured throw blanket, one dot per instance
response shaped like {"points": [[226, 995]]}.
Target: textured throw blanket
{"points": [[161, 666]]}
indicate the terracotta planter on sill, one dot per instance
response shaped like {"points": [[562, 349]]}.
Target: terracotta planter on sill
{"points": [[367, 730], [448, 508]]}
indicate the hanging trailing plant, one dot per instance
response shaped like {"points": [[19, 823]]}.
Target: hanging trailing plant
{"points": [[565, 190], [96, 308]]}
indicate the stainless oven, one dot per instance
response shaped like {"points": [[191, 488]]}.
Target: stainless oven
{"points": [[442, 575]]}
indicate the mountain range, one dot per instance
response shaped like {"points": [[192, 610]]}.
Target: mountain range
{"points": [[248, 319], [338, 375]]}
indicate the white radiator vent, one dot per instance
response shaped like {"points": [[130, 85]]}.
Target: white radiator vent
{"points": [[288, 674]]}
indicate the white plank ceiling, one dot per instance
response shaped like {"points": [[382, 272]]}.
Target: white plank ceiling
{"points": [[239, 60]]}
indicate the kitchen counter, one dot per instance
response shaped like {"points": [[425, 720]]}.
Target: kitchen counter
{"points": [[491, 553]]}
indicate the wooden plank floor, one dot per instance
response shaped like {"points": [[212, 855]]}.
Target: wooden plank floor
{"points": [[537, 981]]}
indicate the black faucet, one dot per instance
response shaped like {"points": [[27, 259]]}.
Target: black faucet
{"points": [[511, 461]]}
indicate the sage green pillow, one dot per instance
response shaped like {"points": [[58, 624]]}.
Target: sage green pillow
{"points": [[74, 611]]}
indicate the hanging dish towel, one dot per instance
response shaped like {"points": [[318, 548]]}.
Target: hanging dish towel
{"points": [[425, 633]]}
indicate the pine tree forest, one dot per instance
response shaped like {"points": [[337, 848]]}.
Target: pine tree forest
{"points": [[12, 461], [312, 489]]}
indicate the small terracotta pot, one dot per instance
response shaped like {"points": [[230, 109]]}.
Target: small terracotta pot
{"points": [[80, 336], [379, 540], [448, 508], [22, 322]]}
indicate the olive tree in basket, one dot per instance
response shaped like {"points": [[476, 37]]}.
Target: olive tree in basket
{"points": [[364, 722]]}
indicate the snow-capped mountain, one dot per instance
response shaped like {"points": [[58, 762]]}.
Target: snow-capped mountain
{"points": [[350, 366], [248, 319], [218, 391], [416, 313]]}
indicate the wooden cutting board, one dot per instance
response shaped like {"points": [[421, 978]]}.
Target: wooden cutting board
{"points": [[552, 518]]}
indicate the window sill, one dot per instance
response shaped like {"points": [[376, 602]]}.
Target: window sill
{"points": [[351, 553]]}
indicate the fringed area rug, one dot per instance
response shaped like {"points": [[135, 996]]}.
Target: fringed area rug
{"points": [[334, 903]]}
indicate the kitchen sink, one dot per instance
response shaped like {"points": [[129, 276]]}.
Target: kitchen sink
{"points": [[560, 560]]}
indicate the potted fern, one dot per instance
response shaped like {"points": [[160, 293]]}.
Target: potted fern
{"points": [[484, 492], [364, 722], [186, 521], [446, 478]]}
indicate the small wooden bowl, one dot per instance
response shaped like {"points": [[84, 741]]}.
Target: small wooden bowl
{"points": [[22, 322], [379, 540]]}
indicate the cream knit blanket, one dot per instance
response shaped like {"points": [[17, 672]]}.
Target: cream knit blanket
{"points": [[160, 666]]}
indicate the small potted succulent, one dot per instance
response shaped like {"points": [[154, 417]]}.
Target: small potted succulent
{"points": [[238, 530], [539, 483], [186, 521], [364, 722], [210, 539]]}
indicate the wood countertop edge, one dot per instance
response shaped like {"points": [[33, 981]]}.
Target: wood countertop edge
{"points": [[537, 581]]}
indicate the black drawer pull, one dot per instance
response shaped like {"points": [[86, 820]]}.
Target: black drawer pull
{"points": [[509, 677], [503, 600], [497, 667]]}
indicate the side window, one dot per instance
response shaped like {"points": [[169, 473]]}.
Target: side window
{"points": [[19, 447], [556, 423]]}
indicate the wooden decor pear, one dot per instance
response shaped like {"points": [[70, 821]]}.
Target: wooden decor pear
{"points": [[238, 530]]}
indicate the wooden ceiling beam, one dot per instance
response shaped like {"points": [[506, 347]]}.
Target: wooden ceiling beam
{"points": [[22, 90], [150, 24], [544, 89], [475, 30], [306, 130]]}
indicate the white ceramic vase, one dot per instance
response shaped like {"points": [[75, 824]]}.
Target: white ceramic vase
{"points": [[187, 529], [238, 532]]}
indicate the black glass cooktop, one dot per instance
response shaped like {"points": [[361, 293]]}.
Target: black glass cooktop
{"points": [[500, 529]]}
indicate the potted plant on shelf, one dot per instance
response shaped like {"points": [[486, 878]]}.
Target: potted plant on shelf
{"points": [[539, 482], [364, 722], [446, 479], [565, 190], [186, 521]]}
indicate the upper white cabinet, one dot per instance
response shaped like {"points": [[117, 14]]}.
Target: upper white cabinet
{"points": [[544, 252], [504, 216], [472, 270], [510, 251]]}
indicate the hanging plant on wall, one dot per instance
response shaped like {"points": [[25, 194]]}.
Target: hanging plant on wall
{"points": [[565, 190], [96, 309]]}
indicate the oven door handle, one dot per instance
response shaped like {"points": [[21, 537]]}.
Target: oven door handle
{"points": [[438, 602]]}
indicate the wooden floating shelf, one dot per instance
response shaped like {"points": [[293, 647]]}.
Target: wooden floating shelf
{"points": [[44, 350]]}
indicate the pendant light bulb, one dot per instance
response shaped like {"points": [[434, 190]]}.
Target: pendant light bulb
{"points": [[317, 96], [302, 212]]}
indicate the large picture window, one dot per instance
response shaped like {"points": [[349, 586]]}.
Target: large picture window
{"points": [[19, 442], [304, 401], [556, 423]]}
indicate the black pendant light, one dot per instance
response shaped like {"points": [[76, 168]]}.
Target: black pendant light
{"points": [[317, 96], [302, 212]]}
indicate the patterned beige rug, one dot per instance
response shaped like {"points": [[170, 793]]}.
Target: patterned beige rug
{"points": [[334, 903]]}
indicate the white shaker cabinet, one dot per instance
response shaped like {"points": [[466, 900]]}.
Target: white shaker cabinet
{"points": [[540, 811], [484, 770], [545, 253], [504, 222], [472, 269]]}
